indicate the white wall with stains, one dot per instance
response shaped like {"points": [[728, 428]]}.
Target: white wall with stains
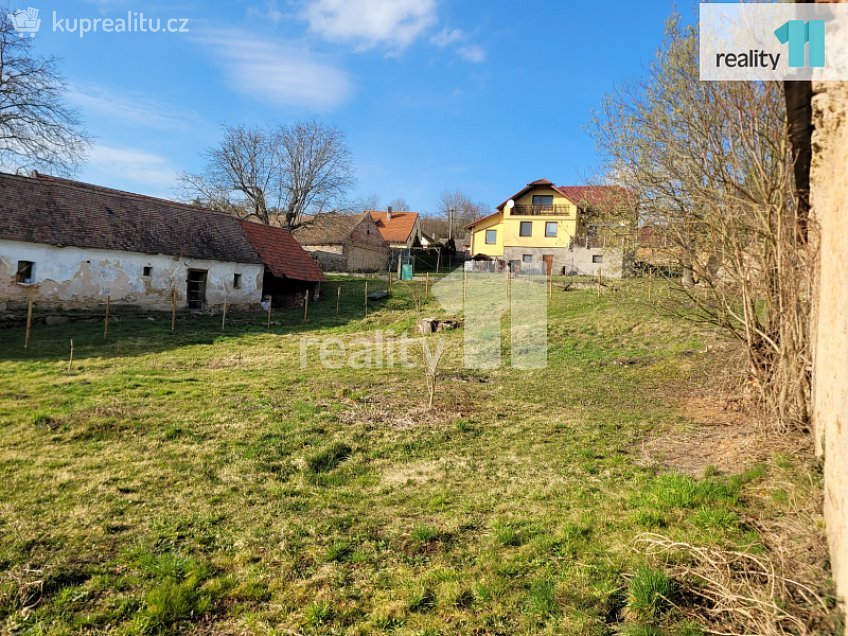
{"points": [[79, 278]]}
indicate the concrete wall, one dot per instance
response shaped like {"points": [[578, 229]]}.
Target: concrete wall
{"points": [[76, 278], [829, 198], [577, 261]]}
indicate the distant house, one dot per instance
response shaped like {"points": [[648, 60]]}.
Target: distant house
{"points": [[428, 241], [344, 242], [558, 229], [70, 245], [399, 229]]}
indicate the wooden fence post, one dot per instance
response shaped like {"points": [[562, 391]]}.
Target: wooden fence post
{"points": [[106, 320], [390, 281], [306, 306], [426, 284], [224, 316], [464, 284], [270, 304], [650, 284], [338, 298], [366, 299], [28, 325], [173, 309]]}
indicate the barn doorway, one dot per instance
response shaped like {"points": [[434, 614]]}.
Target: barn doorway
{"points": [[196, 288]]}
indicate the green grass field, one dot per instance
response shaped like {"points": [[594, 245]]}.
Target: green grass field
{"points": [[203, 482]]}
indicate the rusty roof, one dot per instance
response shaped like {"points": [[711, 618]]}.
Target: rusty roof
{"points": [[281, 253]]}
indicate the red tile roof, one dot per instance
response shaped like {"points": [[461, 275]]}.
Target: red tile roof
{"points": [[281, 253], [398, 228], [606, 198]]}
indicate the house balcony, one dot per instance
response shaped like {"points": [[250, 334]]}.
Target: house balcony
{"points": [[541, 210]]}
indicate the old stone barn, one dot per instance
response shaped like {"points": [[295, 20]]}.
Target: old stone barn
{"points": [[68, 245]]}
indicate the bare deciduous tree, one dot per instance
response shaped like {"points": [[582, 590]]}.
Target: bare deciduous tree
{"points": [[455, 211], [37, 128], [276, 173], [710, 163], [399, 205]]}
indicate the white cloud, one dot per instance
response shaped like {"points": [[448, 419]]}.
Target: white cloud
{"points": [[268, 11], [447, 36], [110, 163], [368, 23], [131, 107], [468, 52], [474, 53], [274, 72]]}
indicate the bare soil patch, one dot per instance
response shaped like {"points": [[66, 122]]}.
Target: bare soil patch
{"points": [[719, 435]]}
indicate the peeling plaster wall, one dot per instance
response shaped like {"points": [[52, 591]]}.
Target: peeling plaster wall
{"points": [[829, 198], [76, 278]]}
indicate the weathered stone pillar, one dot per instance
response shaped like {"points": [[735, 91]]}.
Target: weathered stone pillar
{"points": [[829, 199]]}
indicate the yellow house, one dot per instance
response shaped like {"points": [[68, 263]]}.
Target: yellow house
{"points": [[555, 229]]}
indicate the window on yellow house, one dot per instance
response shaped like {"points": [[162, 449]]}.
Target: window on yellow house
{"points": [[525, 229], [543, 202], [551, 229], [491, 237], [527, 258]]}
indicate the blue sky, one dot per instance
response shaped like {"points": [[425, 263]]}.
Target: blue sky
{"points": [[433, 95]]}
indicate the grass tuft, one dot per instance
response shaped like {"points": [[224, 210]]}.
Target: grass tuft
{"points": [[649, 593]]}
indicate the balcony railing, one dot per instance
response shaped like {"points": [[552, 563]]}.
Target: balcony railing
{"points": [[541, 210]]}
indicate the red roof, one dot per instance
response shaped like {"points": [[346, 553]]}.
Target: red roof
{"points": [[396, 229], [281, 253], [606, 198]]}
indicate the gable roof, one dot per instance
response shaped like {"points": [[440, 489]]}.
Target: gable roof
{"points": [[61, 212], [328, 229], [396, 229], [281, 253], [533, 184]]}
